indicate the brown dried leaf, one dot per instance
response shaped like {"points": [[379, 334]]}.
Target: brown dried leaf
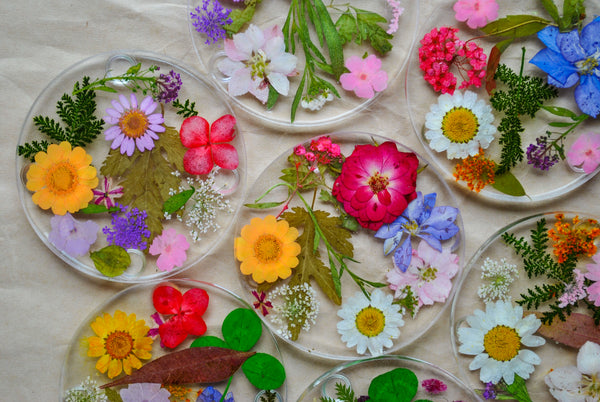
{"points": [[200, 365], [576, 330]]}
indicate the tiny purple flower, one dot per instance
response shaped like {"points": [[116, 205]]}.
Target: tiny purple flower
{"points": [[168, 86], [490, 391], [72, 236], [542, 154], [129, 231], [210, 18]]}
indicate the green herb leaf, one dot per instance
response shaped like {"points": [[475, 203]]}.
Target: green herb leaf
{"points": [[507, 183], [177, 201], [208, 340], [241, 329], [273, 95], [186, 109], [516, 26], [518, 389], [551, 9], [264, 371], [111, 260], [264, 205], [398, 385], [333, 39]]}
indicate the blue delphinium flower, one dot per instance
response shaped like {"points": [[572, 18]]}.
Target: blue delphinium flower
{"points": [[210, 394], [421, 219], [129, 231], [572, 57], [210, 18]]}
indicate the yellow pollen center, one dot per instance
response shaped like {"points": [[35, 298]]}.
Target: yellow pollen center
{"points": [[133, 123], [502, 343], [62, 178], [460, 125], [370, 321], [118, 344], [267, 248], [378, 183], [429, 274]]}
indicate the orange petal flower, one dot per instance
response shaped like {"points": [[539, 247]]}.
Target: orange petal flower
{"points": [[574, 239], [477, 171]]}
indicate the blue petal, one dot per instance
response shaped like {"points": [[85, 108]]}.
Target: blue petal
{"points": [[390, 230], [390, 244], [432, 240], [590, 36], [403, 255], [572, 80], [428, 204], [569, 46], [555, 65], [587, 95], [415, 208], [548, 37]]}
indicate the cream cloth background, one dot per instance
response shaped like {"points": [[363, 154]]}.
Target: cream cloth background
{"points": [[43, 301]]}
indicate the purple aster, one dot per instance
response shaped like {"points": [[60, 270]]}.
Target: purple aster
{"points": [[542, 154], [420, 219], [129, 231], [210, 394], [167, 87], [210, 18], [571, 58], [72, 236]]}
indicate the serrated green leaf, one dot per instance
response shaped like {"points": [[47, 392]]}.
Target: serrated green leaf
{"points": [[516, 26], [346, 26], [264, 371], [507, 183], [333, 39], [240, 17], [241, 329], [398, 385], [518, 389], [177, 201], [170, 143], [111, 260]]}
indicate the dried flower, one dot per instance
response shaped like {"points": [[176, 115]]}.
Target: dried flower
{"points": [[129, 231], [434, 386], [171, 248], [144, 392], [72, 236], [397, 11], [261, 302], [499, 275], [210, 19], [574, 239], [107, 193], [542, 154], [476, 13], [585, 152], [316, 101], [365, 76], [167, 87], [477, 171], [295, 308], [210, 394], [87, 391], [593, 274], [573, 291], [490, 391], [577, 383]]}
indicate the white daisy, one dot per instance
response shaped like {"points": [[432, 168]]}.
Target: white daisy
{"points": [[496, 338], [459, 124], [370, 324]]}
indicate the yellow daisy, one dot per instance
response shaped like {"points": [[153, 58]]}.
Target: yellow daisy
{"points": [[121, 342], [267, 249], [62, 178]]}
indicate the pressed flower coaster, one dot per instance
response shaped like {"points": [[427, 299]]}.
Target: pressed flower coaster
{"points": [[527, 306], [124, 172], [172, 339], [527, 142], [349, 245], [291, 90]]}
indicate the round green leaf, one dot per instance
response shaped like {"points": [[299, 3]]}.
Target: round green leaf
{"points": [[111, 260], [398, 385], [264, 371], [241, 329], [208, 340]]}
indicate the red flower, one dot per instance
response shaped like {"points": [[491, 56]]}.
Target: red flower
{"points": [[186, 311], [377, 183], [208, 146]]}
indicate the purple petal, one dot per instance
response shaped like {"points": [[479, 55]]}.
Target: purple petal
{"points": [[112, 132], [134, 103], [390, 230], [441, 223], [403, 255], [587, 95], [148, 105]]}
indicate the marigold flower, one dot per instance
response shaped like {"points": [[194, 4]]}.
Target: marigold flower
{"points": [[267, 249], [574, 239], [62, 179], [477, 171]]}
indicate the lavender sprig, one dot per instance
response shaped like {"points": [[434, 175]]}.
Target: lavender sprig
{"points": [[210, 19]]}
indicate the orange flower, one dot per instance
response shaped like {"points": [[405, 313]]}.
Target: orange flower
{"points": [[477, 171], [573, 239], [62, 179]]}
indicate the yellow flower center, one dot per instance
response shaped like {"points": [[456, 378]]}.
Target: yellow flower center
{"points": [[258, 64], [118, 344], [378, 183], [460, 125], [502, 343], [370, 321], [591, 385], [428, 274], [589, 64], [267, 248], [133, 123], [62, 178]]}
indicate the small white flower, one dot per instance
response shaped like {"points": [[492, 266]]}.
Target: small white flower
{"points": [[293, 306], [499, 275], [87, 391], [581, 383]]}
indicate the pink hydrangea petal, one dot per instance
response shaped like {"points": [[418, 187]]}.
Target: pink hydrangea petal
{"points": [[364, 90], [198, 160], [225, 156], [379, 81], [354, 63], [223, 129]]}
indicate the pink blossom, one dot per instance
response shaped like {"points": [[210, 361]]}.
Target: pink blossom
{"points": [[428, 275], [396, 13], [585, 152], [573, 291], [593, 274], [434, 386], [365, 76], [170, 247], [107, 193], [476, 13]]}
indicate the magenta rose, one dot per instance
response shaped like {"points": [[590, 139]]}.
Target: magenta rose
{"points": [[377, 183]]}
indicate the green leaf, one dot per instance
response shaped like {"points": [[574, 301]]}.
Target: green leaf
{"points": [[105, 89], [93, 209], [177, 201], [518, 389], [507, 183], [551, 9], [272, 99], [133, 70], [239, 17], [208, 340], [297, 97], [264, 205], [241, 329], [573, 15], [113, 395], [560, 111], [333, 39], [111, 260], [264, 371], [346, 26], [398, 385], [516, 26]]}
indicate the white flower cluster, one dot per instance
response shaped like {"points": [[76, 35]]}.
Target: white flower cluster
{"points": [[499, 275], [296, 305], [87, 391], [316, 103]]}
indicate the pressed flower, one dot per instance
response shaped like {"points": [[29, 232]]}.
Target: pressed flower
{"points": [[498, 277], [574, 239], [256, 60], [87, 391], [542, 155], [144, 392], [574, 291], [477, 171], [294, 308], [476, 13], [365, 77], [420, 219], [370, 324], [267, 249], [168, 86], [429, 275], [208, 146], [133, 125], [585, 152], [593, 274], [434, 386], [376, 183], [179, 392], [571, 58], [107, 193], [120, 342], [261, 302], [577, 383], [497, 338], [129, 231], [186, 313], [210, 19], [210, 394], [397, 11], [62, 178], [72, 236], [459, 124], [171, 248], [316, 101]]}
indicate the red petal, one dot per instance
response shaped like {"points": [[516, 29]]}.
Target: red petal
{"points": [[193, 324], [172, 332], [222, 129], [198, 160], [167, 300], [194, 132], [225, 156], [384, 197], [195, 301]]}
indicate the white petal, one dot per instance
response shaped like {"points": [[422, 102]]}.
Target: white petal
{"points": [[279, 82], [588, 358]]}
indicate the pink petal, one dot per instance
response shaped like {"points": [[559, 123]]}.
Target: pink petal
{"points": [[194, 132], [225, 156], [198, 160], [223, 129]]}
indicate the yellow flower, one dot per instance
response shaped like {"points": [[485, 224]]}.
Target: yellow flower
{"points": [[62, 179], [267, 249], [120, 343]]}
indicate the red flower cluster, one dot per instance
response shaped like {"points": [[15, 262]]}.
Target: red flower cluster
{"points": [[321, 150], [440, 49]]}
